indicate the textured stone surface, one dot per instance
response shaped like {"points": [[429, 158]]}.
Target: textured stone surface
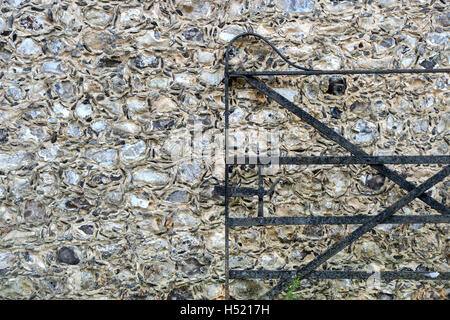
{"points": [[67, 255], [301, 6], [99, 194]]}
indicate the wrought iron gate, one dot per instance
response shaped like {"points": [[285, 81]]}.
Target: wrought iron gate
{"points": [[358, 157]]}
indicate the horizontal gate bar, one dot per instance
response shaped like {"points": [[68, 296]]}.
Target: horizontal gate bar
{"points": [[358, 219], [332, 274], [441, 159], [330, 72]]}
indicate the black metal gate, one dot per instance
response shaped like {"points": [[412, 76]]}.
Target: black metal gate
{"points": [[358, 157]]}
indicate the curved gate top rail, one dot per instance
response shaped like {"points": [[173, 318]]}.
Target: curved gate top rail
{"points": [[358, 157]]}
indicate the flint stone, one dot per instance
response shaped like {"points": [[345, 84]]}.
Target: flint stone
{"points": [[87, 229], [443, 19], [63, 89], [102, 157], [300, 6], [366, 131], [84, 110], [28, 47], [34, 211], [113, 197], [137, 105], [14, 161], [132, 151], [177, 196], [2, 25], [15, 92], [99, 126], [53, 67], [193, 34], [144, 61], [151, 176], [67, 255], [337, 86], [138, 202], [190, 171], [72, 178], [374, 182], [7, 260]]}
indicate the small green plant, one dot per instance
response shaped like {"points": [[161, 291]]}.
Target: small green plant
{"points": [[291, 295]]}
